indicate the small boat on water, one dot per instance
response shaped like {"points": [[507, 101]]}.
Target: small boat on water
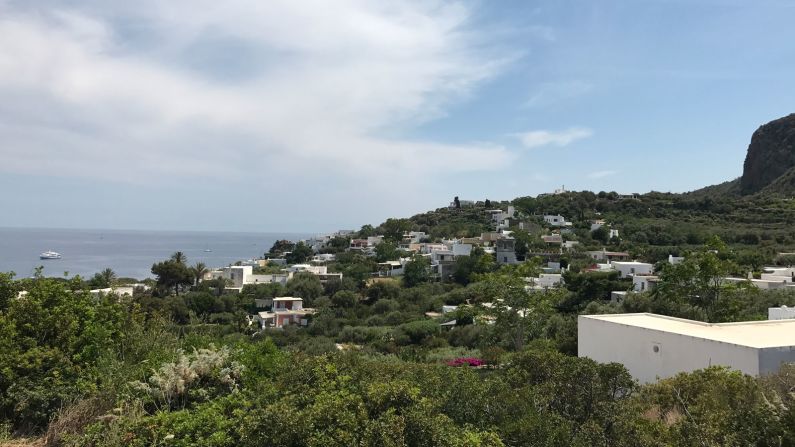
{"points": [[207, 250], [50, 255]]}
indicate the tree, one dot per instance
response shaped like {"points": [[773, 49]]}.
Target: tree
{"points": [[344, 299], [457, 202], [305, 285], [386, 251], [715, 406], [527, 205], [172, 274], [600, 234], [393, 229], [280, 247], [416, 271], [366, 231], [699, 279], [300, 253], [104, 279], [523, 243], [383, 290], [198, 271], [8, 289], [179, 257], [520, 314]]}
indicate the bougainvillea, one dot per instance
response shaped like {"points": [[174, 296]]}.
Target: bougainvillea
{"points": [[466, 361]]}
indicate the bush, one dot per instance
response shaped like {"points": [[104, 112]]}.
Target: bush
{"points": [[466, 361], [195, 377]]}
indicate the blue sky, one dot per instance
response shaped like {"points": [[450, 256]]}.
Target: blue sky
{"points": [[294, 116]]}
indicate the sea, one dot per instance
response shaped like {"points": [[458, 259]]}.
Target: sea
{"points": [[130, 253]]}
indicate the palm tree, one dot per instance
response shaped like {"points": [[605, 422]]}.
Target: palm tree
{"points": [[179, 257], [108, 277], [198, 270]]}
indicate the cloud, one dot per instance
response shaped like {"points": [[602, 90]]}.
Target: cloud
{"points": [[283, 90], [539, 138], [601, 174]]}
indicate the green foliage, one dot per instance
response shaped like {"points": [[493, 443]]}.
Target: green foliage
{"points": [[280, 247], [416, 271], [50, 341], [299, 254], [305, 285], [345, 299], [103, 279], [198, 376], [172, 274], [715, 407], [386, 251], [393, 229], [699, 279]]}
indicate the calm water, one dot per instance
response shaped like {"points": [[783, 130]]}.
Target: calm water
{"points": [[128, 253]]}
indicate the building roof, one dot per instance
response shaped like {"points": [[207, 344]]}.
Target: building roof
{"points": [[753, 334], [631, 263], [390, 263], [287, 298]]}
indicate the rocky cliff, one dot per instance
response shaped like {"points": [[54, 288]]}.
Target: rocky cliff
{"points": [[770, 162]]}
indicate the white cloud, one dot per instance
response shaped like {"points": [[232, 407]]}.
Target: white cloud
{"points": [[283, 90], [601, 174], [539, 138]]}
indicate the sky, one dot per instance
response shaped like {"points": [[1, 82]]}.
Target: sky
{"points": [[313, 116]]}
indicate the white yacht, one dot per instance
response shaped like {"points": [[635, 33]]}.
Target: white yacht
{"points": [[50, 255]]}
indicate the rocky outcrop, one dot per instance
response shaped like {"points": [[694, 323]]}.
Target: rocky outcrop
{"points": [[771, 155]]}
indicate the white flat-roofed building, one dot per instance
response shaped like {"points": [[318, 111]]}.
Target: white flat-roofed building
{"points": [[673, 260], [780, 313], [286, 310], [545, 281], [556, 220], [655, 346], [644, 283], [630, 269], [764, 284]]}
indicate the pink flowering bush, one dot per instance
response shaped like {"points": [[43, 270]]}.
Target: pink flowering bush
{"points": [[466, 361]]}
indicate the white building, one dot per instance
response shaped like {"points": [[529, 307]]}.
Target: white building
{"points": [[505, 251], [673, 260], [644, 283], [781, 274], [780, 313], [414, 237], [634, 268], [764, 284], [119, 290], [324, 257], [498, 215], [391, 268], [461, 249], [286, 311], [545, 281], [556, 220], [654, 346]]}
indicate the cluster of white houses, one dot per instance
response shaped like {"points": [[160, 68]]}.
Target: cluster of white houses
{"points": [[238, 276]]}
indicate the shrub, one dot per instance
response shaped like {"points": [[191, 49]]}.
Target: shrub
{"points": [[195, 377], [466, 361]]}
